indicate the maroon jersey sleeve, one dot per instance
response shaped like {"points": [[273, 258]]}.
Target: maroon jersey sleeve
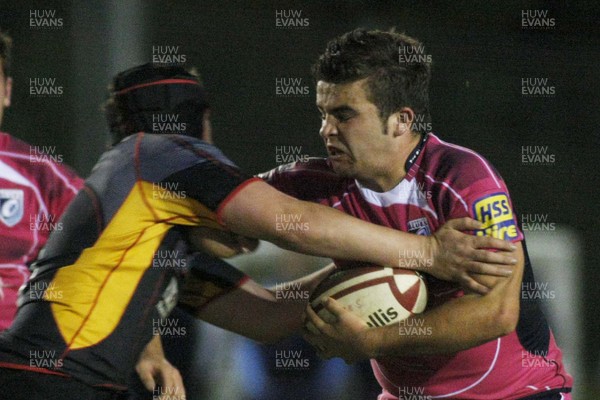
{"points": [[473, 188], [310, 181]]}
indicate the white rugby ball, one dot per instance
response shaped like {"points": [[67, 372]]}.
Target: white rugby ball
{"points": [[379, 295]]}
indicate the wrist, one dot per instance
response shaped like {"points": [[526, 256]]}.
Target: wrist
{"points": [[372, 343], [431, 251]]}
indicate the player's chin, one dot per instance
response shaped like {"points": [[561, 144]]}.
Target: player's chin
{"points": [[342, 168]]}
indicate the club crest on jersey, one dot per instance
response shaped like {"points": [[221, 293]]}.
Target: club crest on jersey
{"points": [[495, 213], [11, 206], [419, 226]]}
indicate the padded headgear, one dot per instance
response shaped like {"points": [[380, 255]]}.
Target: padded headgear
{"points": [[143, 92]]}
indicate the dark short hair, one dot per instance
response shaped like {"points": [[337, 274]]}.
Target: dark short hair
{"points": [[5, 50], [138, 94], [393, 81]]}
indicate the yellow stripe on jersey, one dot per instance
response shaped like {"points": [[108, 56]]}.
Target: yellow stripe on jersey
{"points": [[97, 288]]}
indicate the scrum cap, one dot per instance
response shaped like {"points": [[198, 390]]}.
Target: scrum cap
{"points": [[158, 99]]}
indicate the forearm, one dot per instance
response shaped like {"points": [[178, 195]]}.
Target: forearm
{"points": [[264, 315], [307, 283], [331, 233], [286, 315], [457, 325], [317, 230]]}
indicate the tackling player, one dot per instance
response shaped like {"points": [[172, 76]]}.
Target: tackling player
{"points": [[87, 311], [34, 191], [385, 166]]}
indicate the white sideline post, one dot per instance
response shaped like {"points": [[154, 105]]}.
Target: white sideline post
{"points": [[556, 258]]}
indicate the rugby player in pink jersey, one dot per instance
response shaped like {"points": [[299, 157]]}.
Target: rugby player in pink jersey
{"points": [[34, 192], [386, 167]]}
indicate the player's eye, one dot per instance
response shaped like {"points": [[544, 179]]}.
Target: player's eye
{"points": [[344, 116]]}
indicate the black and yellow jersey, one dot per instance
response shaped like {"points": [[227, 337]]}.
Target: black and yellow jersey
{"points": [[117, 260]]}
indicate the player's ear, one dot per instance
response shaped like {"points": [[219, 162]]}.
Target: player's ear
{"points": [[400, 122], [7, 91]]}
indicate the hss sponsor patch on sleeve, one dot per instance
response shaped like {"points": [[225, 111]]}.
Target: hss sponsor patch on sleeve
{"points": [[497, 217]]}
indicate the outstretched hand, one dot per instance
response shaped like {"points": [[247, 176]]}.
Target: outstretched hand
{"points": [[458, 256]]}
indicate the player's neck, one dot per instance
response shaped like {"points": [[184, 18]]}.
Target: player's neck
{"points": [[393, 167]]}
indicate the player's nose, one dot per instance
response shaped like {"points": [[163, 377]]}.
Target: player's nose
{"points": [[328, 128]]}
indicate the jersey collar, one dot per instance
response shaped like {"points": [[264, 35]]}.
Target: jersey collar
{"points": [[415, 153]]}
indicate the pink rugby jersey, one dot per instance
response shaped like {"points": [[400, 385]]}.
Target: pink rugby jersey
{"points": [[445, 181], [34, 191]]}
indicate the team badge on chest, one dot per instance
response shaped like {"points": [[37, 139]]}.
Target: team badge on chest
{"points": [[11, 206], [420, 226]]}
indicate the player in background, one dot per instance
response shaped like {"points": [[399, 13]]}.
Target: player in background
{"points": [[34, 192], [87, 312], [385, 166]]}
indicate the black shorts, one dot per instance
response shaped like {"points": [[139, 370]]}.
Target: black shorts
{"points": [[27, 385]]}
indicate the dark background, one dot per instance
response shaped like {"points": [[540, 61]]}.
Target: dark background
{"points": [[480, 54]]}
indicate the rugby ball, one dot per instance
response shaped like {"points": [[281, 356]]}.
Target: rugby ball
{"points": [[378, 295]]}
